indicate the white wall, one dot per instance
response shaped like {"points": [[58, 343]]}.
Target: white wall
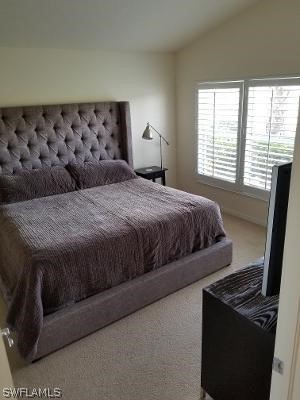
{"points": [[288, 327], [5, 375], [262, 41], [296, 383], [147, 80]]}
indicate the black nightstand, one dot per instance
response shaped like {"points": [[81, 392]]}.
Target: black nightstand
{"points": [[238, 337], [152, 173]]}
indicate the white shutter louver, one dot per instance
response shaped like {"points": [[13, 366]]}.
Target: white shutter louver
{"points": [[218, 126], [270, 131], [244, 128]]}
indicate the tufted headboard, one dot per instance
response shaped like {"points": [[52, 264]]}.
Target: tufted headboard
{"points": [[32, 137]]}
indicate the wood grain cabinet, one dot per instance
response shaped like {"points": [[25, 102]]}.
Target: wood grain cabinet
{"points": [[238, 337]]}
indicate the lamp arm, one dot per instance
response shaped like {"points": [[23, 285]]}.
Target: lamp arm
{"points": [[159, 134]]}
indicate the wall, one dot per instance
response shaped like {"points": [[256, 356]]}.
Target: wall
{"points": [[262, 41], [296, 383], [5, 376], [47, 76], [287, 386]]}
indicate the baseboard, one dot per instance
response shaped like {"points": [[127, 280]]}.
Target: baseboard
{"points": [[246, 217]]}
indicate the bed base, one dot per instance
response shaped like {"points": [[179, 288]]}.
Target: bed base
{"points": [[74, 322]]}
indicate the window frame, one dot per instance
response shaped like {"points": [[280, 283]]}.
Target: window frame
{"points": [[244, 85]]}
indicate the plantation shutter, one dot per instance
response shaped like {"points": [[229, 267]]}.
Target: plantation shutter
{"points": [[270, 131], [218, 127]]}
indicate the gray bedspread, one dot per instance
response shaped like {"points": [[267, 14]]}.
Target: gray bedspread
{"points": [[57, 250]]}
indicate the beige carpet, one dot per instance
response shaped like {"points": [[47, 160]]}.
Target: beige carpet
{"points": [[154, 354]]}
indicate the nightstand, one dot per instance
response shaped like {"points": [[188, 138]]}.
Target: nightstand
{"points": [[238, 337], [152, 173]]}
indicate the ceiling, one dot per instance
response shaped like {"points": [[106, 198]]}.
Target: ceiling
{"points": [[147, 25]]}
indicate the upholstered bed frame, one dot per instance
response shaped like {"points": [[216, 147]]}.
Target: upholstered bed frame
{"points": [[36, 136]]}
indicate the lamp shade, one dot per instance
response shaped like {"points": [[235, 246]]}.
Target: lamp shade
{"points": [[147, 134]]}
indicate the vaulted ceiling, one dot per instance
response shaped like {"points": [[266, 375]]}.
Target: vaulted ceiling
{"points": [[147, 25]]}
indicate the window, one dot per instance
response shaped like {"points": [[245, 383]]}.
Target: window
{"points": [[243, 129]]}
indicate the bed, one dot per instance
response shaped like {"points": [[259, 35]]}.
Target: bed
{"points": [[79, 259]]}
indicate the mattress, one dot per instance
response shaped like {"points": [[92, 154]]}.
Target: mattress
{"points": [[58, 250]]}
